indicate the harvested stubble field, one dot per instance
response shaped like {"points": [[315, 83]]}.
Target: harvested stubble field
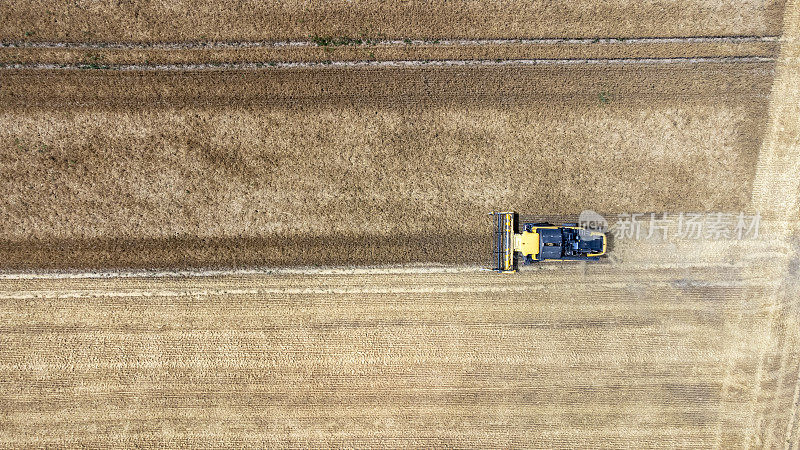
{"points": [[560, 357], [670, 343]]}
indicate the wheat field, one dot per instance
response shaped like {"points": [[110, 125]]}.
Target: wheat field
{"points": [[210, 237]]}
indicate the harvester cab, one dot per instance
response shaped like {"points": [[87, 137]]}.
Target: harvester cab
{"points": [[540, 242]]}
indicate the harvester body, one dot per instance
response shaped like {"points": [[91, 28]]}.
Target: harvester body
{"points": [[540, 242]]}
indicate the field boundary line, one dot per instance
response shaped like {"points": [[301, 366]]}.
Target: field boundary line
{"points": [[368, 270], [367, 42], [366, 289], [389, 63], [206, 273]]}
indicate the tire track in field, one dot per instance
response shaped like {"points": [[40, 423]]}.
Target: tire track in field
{"points": [[371, 290], [389, 64], [387, 270], [775, 194], [324, 51], [355, 42]]}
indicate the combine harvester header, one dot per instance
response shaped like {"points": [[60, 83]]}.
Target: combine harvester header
{"points": [[539, 242]]}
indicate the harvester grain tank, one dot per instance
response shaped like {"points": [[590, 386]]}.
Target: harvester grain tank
{"points": [[542, 242]]}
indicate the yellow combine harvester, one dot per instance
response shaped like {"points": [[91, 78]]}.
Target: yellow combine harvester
{"points": [[540, 242]]}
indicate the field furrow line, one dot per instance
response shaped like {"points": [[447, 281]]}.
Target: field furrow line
{"points": [[392, 64], [386, 42]]}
